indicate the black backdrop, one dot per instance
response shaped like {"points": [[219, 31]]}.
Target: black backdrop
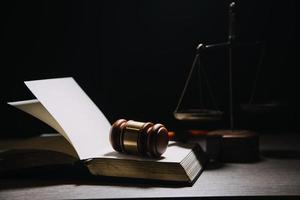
{"points": [[132, 57]]}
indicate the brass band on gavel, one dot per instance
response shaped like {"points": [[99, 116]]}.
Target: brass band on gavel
{"points": [[142, 138]]}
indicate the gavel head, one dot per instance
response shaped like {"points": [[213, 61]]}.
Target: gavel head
{"points": [[146, 139]]}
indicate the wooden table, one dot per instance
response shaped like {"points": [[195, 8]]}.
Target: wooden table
{"points": [[275, 176]]}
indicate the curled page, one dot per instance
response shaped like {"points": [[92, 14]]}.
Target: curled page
{"points": [[36, 109], [84, 124]]}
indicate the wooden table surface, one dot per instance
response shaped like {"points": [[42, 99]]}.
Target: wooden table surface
{"points": [[276, 175]]}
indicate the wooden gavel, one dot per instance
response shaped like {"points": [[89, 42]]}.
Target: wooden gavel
{"points": [[141, 138]]}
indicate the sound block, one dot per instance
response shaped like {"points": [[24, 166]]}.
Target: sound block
{"points": [[233, 145]]}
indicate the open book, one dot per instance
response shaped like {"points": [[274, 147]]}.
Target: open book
{"points": [[63, 105]]}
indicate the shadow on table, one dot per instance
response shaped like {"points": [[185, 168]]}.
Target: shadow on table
{"points": [[281, 154], [78, 175]]}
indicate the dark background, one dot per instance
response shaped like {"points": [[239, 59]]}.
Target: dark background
{"points": [[132, 57]]}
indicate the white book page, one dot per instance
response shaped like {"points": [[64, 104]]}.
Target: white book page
{"points": [[174, 153], [36, 109], [84, 124]]}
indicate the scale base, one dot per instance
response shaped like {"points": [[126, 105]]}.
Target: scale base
{"points": [[238, 146]]}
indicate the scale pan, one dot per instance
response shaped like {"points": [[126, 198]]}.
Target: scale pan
{"points": [[198, 115]]}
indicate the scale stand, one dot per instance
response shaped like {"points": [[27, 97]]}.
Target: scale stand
{"points": [[205, 114], [226, 145]]}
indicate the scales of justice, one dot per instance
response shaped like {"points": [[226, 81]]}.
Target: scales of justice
{"points": [[213, 114]]}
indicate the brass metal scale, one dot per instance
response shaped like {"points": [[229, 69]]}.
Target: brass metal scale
{"points": [[214, 114], [202, 113]]}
